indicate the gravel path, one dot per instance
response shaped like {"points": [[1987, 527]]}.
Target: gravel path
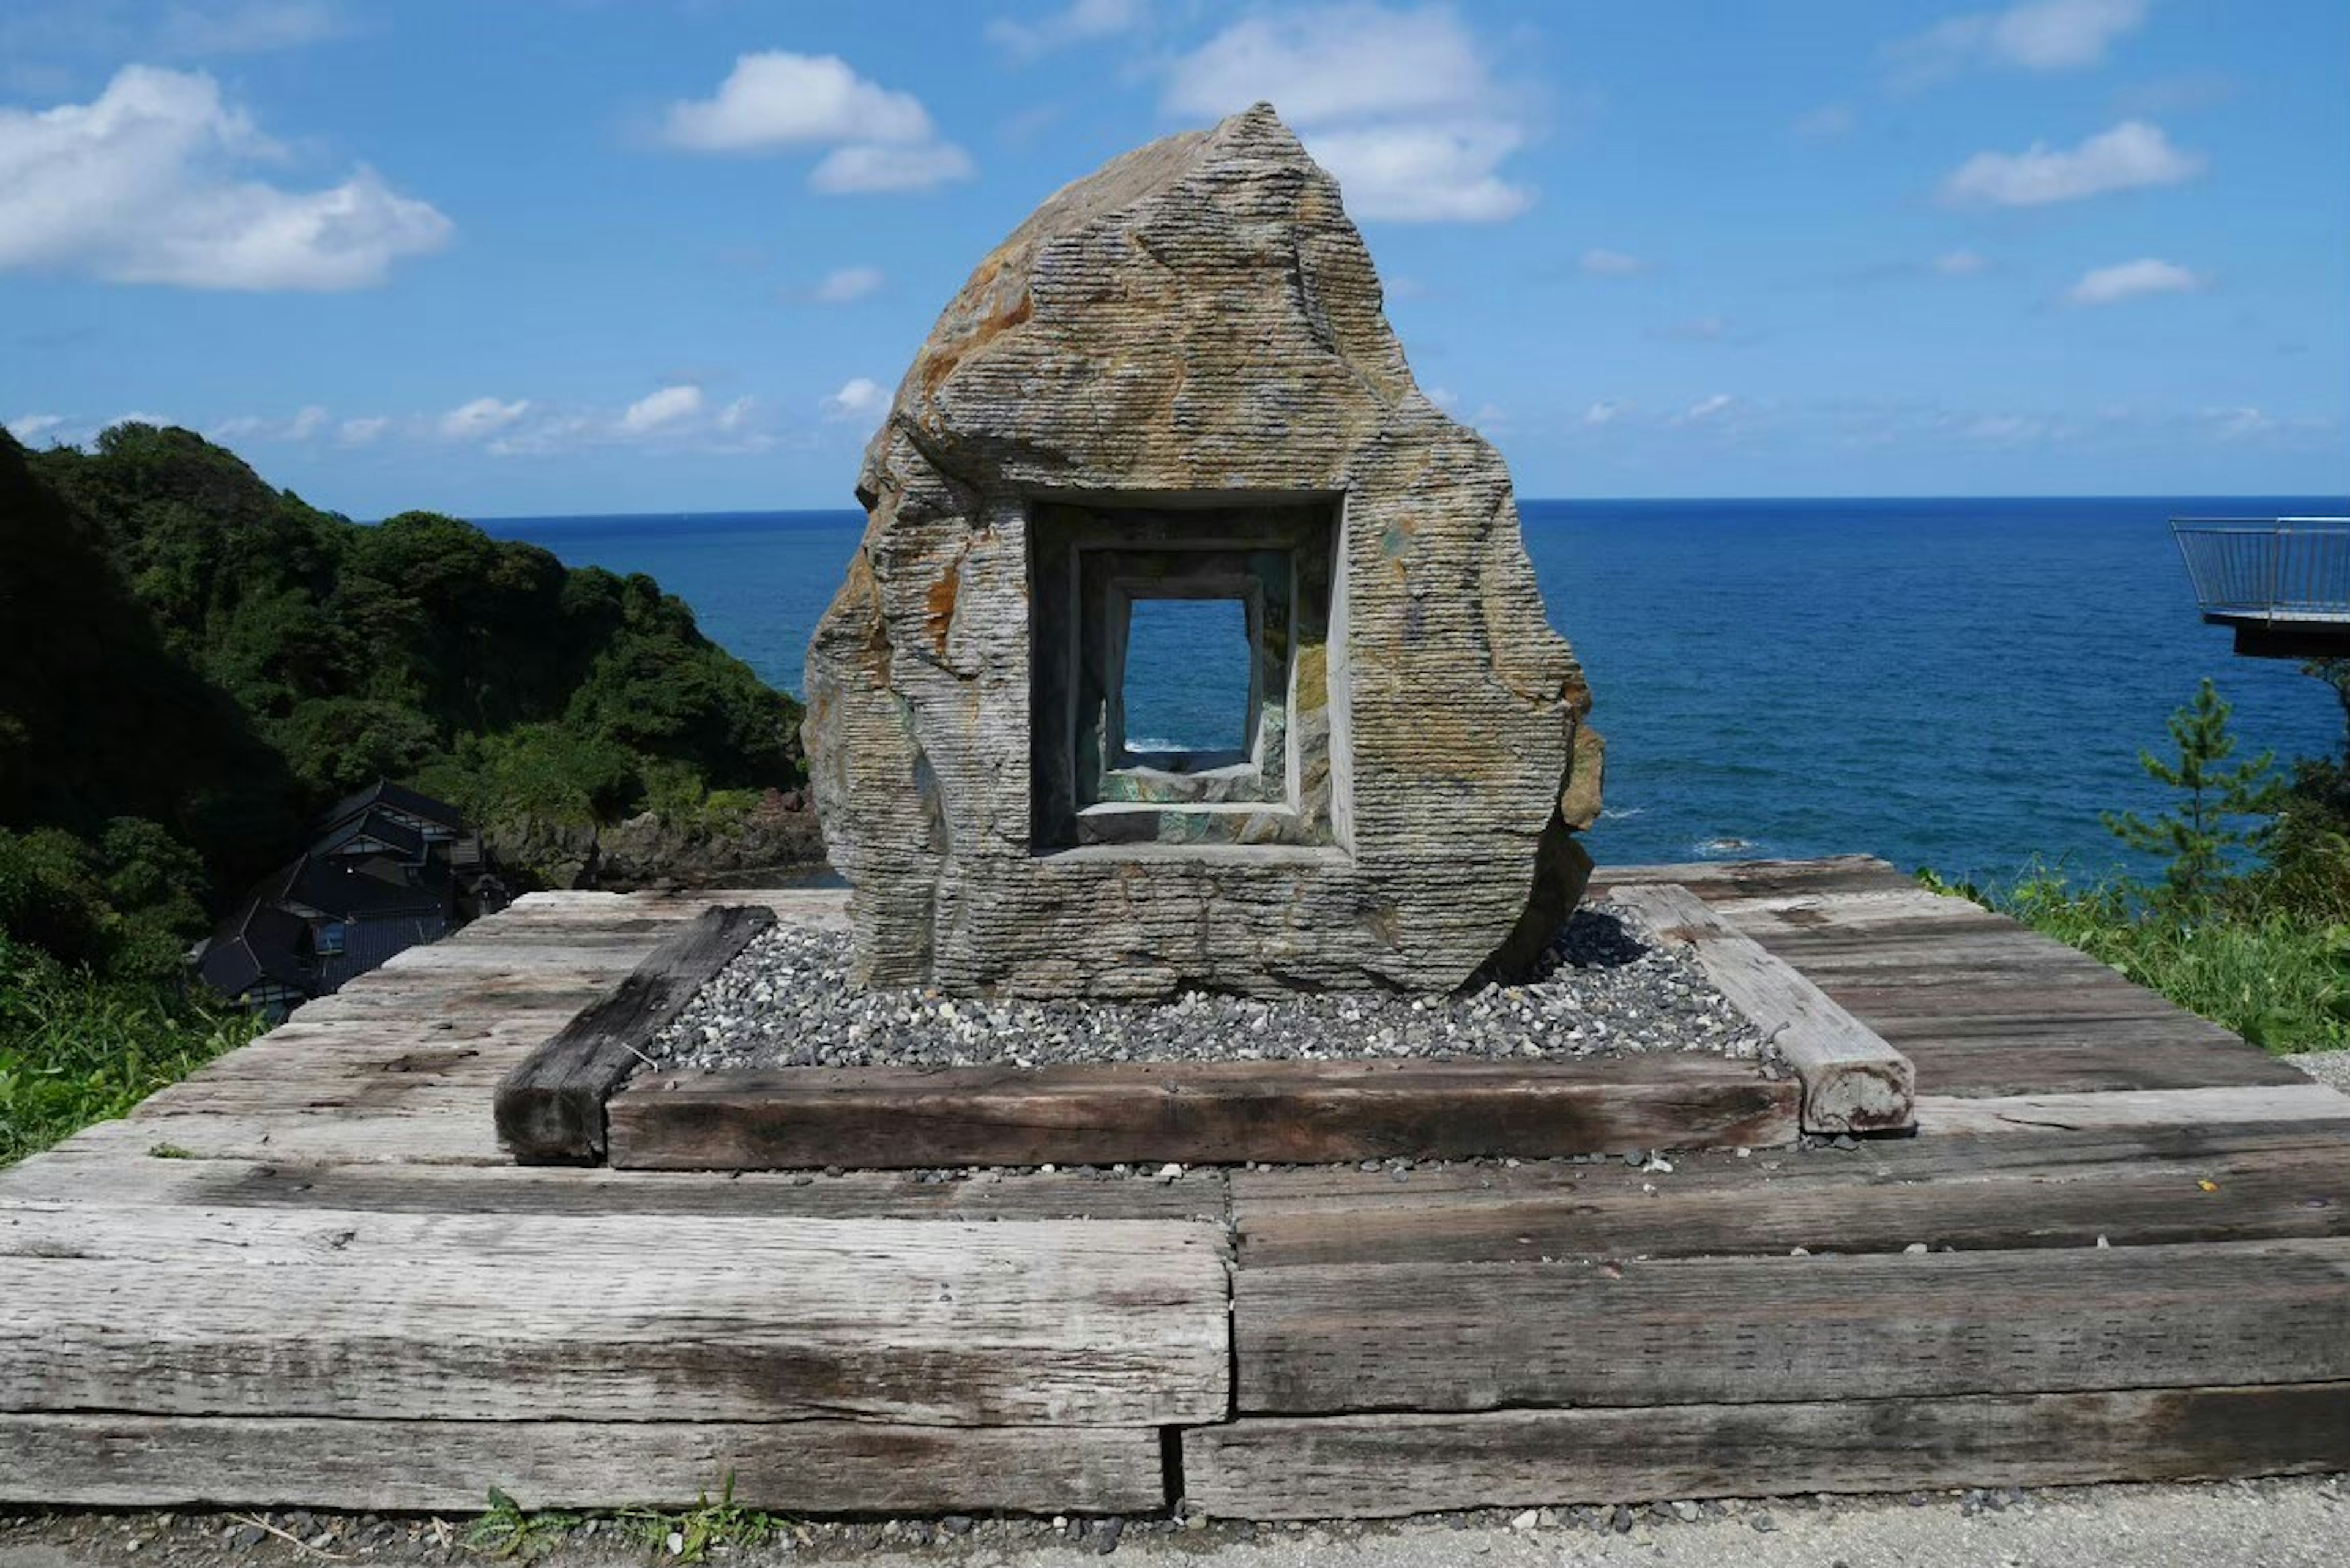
{"points": [[787, 1001], [2331, 1067], [2298, 1524]]}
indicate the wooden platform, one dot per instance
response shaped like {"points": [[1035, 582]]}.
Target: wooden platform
{"points": [[2117, 1248]]}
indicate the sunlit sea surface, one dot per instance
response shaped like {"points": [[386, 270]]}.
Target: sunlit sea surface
{"points": [[1964, 684]]}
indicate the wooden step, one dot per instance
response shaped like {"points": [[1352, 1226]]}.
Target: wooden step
{"points": [[1479, 1336], [1369, 1466], [2128, 1188], [447, 1467], [503, 1318], [1191, 1113]]}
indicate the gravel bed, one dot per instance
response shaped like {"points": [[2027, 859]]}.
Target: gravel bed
{"points": [[1604, 991]]}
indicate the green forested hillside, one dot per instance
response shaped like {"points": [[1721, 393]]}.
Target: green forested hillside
{"points": [[192, 664]]}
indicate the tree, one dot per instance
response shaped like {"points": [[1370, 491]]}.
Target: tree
{"points": [[2198, 833]]}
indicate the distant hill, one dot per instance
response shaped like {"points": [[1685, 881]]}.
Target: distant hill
{"points": [[185, 647]]}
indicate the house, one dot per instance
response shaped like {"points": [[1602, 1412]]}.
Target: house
{"points": [[387, 868]]}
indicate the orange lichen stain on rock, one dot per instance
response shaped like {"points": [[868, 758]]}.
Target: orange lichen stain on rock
{"points": [[938, 606], [990, 325]]}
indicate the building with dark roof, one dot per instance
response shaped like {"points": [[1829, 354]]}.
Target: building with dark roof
{"points": [[387, 869]]}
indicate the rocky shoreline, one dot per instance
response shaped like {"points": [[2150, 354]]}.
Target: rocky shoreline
{"points": [[777, 844]]}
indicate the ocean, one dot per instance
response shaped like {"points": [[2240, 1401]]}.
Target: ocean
{"points": [[1961, 684]]}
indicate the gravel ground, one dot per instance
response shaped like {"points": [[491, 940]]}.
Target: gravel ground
{"points": [[2290, 1523], [2325, 1066], [1604, 991]]}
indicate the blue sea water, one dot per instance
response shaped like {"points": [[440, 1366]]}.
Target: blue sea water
{"points": [[1964, 684]]}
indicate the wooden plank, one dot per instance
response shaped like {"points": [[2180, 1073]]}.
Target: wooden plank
{"points": [[1478, 1336], [1944, 1114], [1853, 1081], [2007, 1029], [329, 1137], [616, 1318], [1759, 878], [550, 1109], [111, 1178], [1189, 1113], [2268, 1187], [2081, 1064], [1384, 1466], [447, 1467]]}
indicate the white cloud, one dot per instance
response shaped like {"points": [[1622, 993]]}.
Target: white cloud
{"points": [[1612, 263], [143, 185], [2005, 430], [1696, 329], [247, 27], [1443, 397], [1603, 413], [30, 428], [846, 284], [2062, 34], [1079, 22], [661, 409], [1707, 408], [482, 417], [867, 168], [304, 424], [2034, 35], [1960, 263], [2131, 155], [736, 415], [1400, 105], [2129, 280], [858, 397], [2234, 424], [361, 432], [1826, 123], [1424, 173], [779, 101]]}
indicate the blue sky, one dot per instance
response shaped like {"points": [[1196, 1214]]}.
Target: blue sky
{"points": [[588, 256]]}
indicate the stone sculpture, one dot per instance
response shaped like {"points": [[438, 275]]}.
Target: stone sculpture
{"points": [[1175, 381]]}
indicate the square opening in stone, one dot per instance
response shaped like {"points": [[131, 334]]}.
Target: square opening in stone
{"points": [[1216, 617], [1189, 697]]}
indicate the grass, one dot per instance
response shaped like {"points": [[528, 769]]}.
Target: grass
{"points": [[2280, 982], [76, 1048], [684, 1535]]}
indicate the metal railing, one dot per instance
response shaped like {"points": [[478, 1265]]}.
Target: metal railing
{"points": [[2268, 569]]}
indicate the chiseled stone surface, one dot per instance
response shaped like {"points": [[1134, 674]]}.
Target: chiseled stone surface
{"points": [[1197, 323]]}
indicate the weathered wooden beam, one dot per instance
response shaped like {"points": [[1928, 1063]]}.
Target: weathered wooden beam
{"points": [[1370, 1466], [2257, 1103], [550, 1109], [1761, 878], [1853, 1081], [1479, 1336], [447, 1467], [1191, 1112], [127, 1178], [1881, 1200], [319, 1312]]}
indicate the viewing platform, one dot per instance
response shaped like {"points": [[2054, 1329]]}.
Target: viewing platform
{"points": [[2116, 1248], [2282, 583]]}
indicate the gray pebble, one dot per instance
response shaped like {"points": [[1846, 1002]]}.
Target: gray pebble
{"points": [[1601, 991]]}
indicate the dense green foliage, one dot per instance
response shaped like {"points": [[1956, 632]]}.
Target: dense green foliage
{"points": [[193, 664], [2249, 924], [77, 1047]]}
